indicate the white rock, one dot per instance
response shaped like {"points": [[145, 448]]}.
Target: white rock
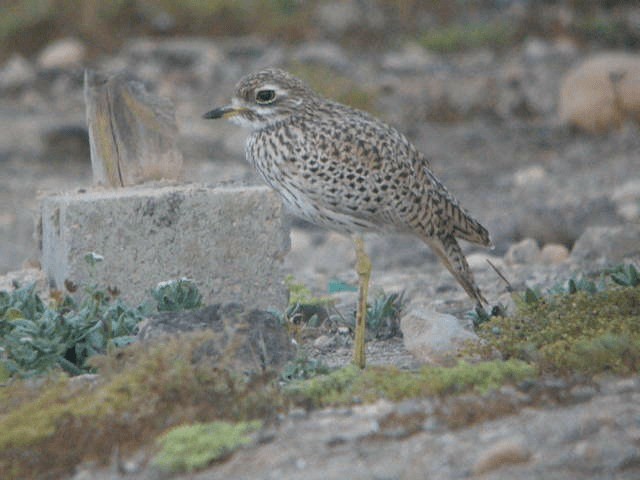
{"points": [[528, 176], [433, 337], [554, 253], [23, 278], [64, 53], [537, 49], [410, 59], [525, 251], [627, 200], [480, 261], [17, 71]]}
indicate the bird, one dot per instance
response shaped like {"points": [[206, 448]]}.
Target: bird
{"points": [[344, 169]]}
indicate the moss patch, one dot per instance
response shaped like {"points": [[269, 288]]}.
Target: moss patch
{"points": [[142, 391], [583, 332], [350, 385], [455, 38], [192, 447]]}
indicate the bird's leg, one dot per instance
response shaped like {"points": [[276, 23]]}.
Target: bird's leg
{"points": [[363, 267]]}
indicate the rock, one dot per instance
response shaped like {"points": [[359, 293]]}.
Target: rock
{"points": [[64, 53], [480, 260], [627, 200], [602, 92], [529, 176], [503, 453], [412, 58], [193, 58], [324, 53], [24, 278], [561, 220], [433, 337], [537, 49], [16, 72], [607, 245], [554, 253], [525, 251], [338, 17], [324, 342], [243, 340]]}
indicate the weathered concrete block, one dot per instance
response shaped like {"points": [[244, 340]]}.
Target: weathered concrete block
{"points": [[230, 240]]}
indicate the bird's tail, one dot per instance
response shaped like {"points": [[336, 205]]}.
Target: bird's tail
{"points": [[449, 251]]}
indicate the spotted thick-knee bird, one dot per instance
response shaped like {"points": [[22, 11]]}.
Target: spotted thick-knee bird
{"points": [[344, 169]]}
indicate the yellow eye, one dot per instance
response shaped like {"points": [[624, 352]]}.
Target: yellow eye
{"points": [[265, 96]]}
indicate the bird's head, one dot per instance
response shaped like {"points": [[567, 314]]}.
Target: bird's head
{"points": [[264, 98]]}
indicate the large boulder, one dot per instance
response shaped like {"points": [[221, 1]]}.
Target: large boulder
{"points": [[246, 341], [601, 93]]}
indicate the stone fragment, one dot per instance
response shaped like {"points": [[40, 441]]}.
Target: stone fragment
{"points": [[503, 453], [433, 337], [525, 251], [243, 340], [16, 72], [23, 278], [554, 253], [64, 53], [607, 245]]}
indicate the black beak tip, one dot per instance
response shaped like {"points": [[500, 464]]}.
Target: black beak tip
{"points": [[212, 114]]}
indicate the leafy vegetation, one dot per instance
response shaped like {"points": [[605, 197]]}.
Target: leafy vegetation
{"points": [[303, 367], [581, 327], [37, 337], [383, 313], [177, 295]]}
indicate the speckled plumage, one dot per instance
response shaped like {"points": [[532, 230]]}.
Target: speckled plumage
{"points": [[344, 169]]}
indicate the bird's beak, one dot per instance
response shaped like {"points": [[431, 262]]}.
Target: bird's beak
{"points": [[223, 112]]}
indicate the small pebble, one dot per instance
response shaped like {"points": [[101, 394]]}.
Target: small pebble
{"points": [[501, 454]]}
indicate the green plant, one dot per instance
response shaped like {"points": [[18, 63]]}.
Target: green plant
{"points": [[35, 337], [479, 315], [302, 367], [175, 295], [304, 308], [352, 385], [383, 315], [191, 447], [571, 332], [625, 275]]}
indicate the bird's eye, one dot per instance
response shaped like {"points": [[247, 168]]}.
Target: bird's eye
{"points": [[265, 96]]}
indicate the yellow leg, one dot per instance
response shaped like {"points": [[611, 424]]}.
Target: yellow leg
{"points": [[363, 267]]}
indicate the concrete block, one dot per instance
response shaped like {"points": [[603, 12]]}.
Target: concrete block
{"points": [[230, 240]]}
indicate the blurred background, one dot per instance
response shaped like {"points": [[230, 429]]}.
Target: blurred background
{"points": [[489, 90]]}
